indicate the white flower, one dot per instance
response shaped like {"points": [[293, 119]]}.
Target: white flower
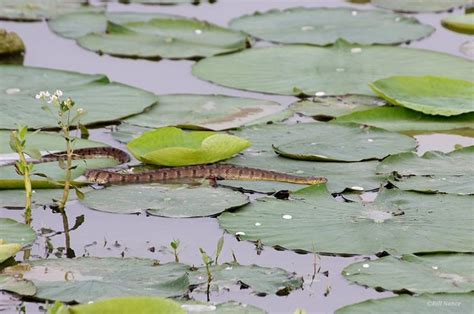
{"points": [[53, 98], [42, 95], [58, 93], [80, 110]]}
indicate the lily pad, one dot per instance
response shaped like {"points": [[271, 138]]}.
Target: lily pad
{"points": [[171, 146], [462, 185], [176, 201], [103, 100], [337, 70], [17, 285], [337, 142], [419, 6], [16, 198], [460, 23], [90, 279], [10, 43], [455, 163], [450, 303], [417, 274], [167, 2], [324, 26], [401, 119], [397, 222], [260, 280], [137, 305], [148, 35], [76, 25], [8, 250], [429, 94], [230, 307], [328, 107], [210, 112], [12, 231], [36, 10]]}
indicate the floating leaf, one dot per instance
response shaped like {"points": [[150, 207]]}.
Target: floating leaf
{"points": [[16, 198], [229, 307], [428, 94], [8, 250], [260, 280], [324, 26], [417, 274], [460, 23], [171, 146], [337, 70], [36, 10], [102, 100], [455, 163], [165, 200], [337, 142], [328, 107], [211, 112], [137, 305], [403, 120], [12, 231], [419, 6], [434, 303], [89, 279], [148, 35], [398, 222], [17, 285], [463, 185]]}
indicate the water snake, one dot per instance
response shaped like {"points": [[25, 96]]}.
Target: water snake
{"points": [[214, 171]]}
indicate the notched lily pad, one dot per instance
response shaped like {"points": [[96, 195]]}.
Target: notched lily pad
{"points": [[417, 274], [337, 70], [434, 95], [104, 101], [324, 26], [328, 107], [462, 185], [397, 222], [178, 201], [260, 280], [17, 285], [209, 112], [12, 231], [436, 303], [171, 146]]}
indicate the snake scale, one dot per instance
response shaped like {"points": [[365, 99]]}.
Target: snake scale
{"points": [[217, 172]]}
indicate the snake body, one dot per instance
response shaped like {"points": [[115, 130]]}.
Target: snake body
{"points": [[217, 172]]}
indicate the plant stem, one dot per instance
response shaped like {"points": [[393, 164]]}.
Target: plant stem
{"points": [[28, 188]]}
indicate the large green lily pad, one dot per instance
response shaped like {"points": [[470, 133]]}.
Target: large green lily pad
{"points": [[210, 112], [148, 35], [417, 274], [415, 6], [12, 231], [176, 201], [406, 120], [171, 146], [36, 10], [460, 23], [397, 222], [455, 163], [428, 94], [261, 280], [462, 185], [16, 198], [328, 107], [337, 70], [17, 285], [76, 25], [445, 303], [103, 100], [89, 279], [324, 26], [336, 142], [138, 305]]}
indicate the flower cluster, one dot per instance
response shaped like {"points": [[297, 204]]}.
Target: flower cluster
{"points": [[55, 100]]}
